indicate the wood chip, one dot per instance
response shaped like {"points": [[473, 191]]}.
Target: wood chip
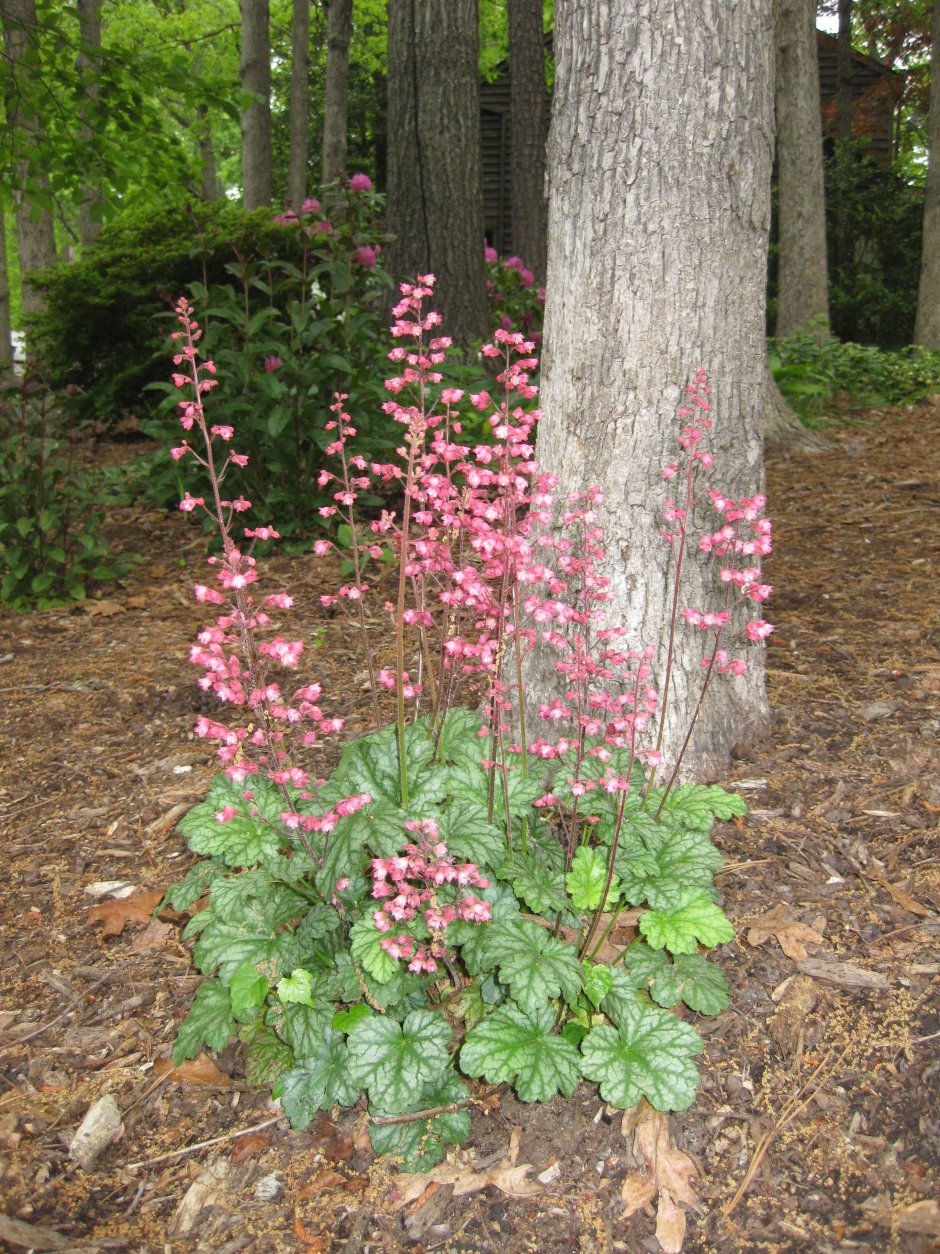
{"points": [[845, 974], [788, 1025], [101, 1125], [21, 1235]]}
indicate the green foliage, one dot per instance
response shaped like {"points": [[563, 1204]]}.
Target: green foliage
{"points": [[52, 546], [290, 328], [108, 313], [874, 227], [819, 374], [300, 960]]}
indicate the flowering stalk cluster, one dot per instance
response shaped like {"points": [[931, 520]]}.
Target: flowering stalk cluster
{"points": [[237, 664], [414, 888]]}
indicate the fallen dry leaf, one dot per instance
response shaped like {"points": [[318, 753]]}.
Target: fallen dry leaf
{"points": [[201, 1070], [115, 915], [797, 940], [509, 1180], [904, 899], [153, 936], [104, 609], [329, 1142], [668, 1173], [248, 1146], [324, 1180]]}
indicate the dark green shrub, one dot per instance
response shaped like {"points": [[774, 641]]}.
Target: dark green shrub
{"points": [[874, 225], [105, 320], [815, 374], [51, 543], [289, 331]]}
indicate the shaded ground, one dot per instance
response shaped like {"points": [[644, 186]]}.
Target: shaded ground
{"points": [[820, 1083]]}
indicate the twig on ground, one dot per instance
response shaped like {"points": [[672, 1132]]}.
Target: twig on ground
{"points": [[201, 1145], [788, 1114]]}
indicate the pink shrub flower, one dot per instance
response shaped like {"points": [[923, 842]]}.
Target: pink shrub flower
{"points": [[360, 183]]}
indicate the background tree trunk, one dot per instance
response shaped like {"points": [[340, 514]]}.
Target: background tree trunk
{"points": [[299, 103], [435, 185], [6, 343], [209, 188], [89, 24], [927, 326], [844, 73], [256, 120], [35, 233], [803, 276], [529, 109], [659, 207], [336, 89]]}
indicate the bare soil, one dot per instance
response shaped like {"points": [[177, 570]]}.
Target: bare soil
{"points": [[818, 1122]]}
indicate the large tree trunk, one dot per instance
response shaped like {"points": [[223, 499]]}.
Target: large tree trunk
{"points": [[783, 431], [529, 120], [435, 185], [659, 207], [35, 233], [803, 278], [256, 119], [336, 89], [299, 103], [86, 63], [927, 326]]}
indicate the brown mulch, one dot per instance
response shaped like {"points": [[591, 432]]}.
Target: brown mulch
{"points": [[820, 1083]]}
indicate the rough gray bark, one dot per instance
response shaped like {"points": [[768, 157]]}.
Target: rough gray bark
{"points": [[89, 25], [659, 171], [209, 186], [529, 109], [927, 326], [435, 186], [256, 119], [35, 234], [299, 103], [336, 89], [783, 431], [803, 288]]}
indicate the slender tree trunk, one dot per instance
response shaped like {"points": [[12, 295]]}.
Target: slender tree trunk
{"points": [[209, 187], [6, 342], [89, 23], [927, 326], [336, 89], [299, 103], [435, 185], [659, 210], [803, 282], [256, 120], [529, 121], [35, 234], [844, 72]]}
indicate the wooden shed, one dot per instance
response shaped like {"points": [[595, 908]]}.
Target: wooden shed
{"points": [[875, 92]]}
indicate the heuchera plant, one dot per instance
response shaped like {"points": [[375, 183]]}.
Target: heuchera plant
{"points": [[467, 896]]}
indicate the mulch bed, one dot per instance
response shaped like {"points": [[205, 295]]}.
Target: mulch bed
{"points": [[820, 1083]]}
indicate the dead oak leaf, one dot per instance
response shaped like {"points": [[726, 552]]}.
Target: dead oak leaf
{"points": [[200, 1070], [667, 1175], [115, 915], [797, 940], [509, 1180]]}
